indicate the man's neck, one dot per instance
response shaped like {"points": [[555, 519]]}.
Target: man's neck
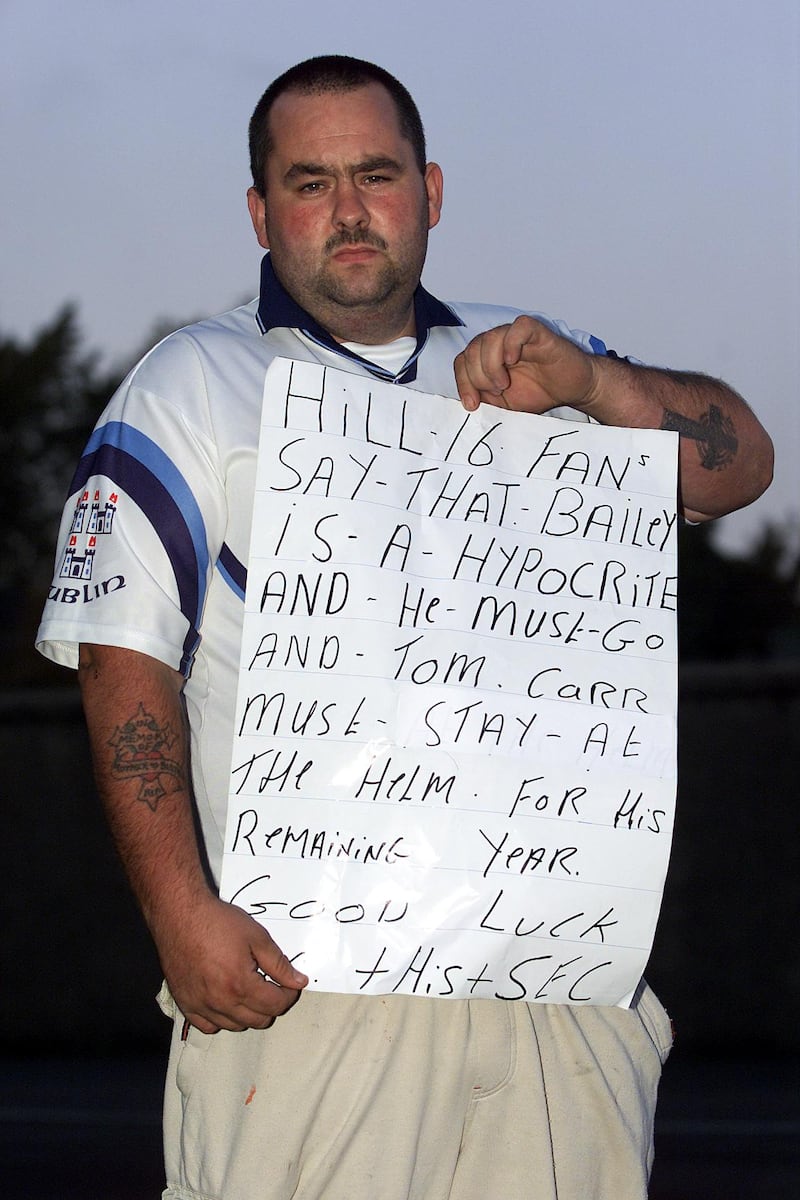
{"points": [[276, 309], [367, 325]]}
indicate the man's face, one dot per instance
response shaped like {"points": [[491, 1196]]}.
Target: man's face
{"points": [[346, 212]]}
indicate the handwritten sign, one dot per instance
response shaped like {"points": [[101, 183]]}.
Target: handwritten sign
{"points": [[455, 745]]}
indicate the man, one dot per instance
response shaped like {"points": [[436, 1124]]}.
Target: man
{"points": [[273, 1094]]}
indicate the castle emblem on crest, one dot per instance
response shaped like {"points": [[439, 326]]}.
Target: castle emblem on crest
{"points": [[75, 565], [92, 518]]}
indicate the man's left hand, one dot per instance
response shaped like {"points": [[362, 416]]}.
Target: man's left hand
{"points": [[525, 367]]}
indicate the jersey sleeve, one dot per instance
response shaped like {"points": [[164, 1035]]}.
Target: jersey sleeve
{"points": [[144, 521]]}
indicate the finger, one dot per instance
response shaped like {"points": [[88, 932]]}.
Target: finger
{"points": [[244, 1018], [254, 1007], [530, 340], [468, 394], [251, 1014], [524, 331], [261, 1002], [491, 373], [197, 1021], [479, 369], [273, 963]]}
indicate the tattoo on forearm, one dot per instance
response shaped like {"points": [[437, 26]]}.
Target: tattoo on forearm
{"points": [[143, 752], [714, 434]]}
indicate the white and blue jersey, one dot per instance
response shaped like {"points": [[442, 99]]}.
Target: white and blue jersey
{"points": [[154, 539]]}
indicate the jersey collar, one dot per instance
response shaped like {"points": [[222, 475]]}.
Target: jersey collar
{"points": [[277, 309]]}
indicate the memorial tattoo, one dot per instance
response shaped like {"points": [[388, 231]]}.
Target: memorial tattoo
{"points": [[145, 751], [713, 432]]}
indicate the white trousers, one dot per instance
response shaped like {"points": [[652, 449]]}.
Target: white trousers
{"points": [[407, 1098]]}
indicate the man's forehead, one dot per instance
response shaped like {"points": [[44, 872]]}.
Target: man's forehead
{"points": [[299, 120]]}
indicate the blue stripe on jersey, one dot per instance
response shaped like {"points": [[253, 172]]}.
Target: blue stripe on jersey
{"points": [[141, 469], [597, 346], [232, 571]]}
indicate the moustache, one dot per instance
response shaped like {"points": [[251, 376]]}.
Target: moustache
{"points": [[356, 237]]}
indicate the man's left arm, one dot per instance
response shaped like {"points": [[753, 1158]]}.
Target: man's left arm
{"points": [[726, 455]]}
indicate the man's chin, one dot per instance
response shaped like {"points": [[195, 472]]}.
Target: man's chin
{"points": [[370, 296]]}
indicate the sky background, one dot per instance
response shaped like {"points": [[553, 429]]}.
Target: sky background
{"points": [[631, 167]]}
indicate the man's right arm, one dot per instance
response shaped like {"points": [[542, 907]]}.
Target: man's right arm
{"points": [[222, 967]]}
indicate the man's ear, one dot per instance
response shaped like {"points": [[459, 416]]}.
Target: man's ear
{"points": [[434, 186], [257, 207]]}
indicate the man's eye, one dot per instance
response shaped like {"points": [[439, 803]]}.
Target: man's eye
{"points": [[376, 179], [314, 186]]}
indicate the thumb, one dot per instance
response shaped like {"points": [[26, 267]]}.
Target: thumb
{"points": [[274, 963]]}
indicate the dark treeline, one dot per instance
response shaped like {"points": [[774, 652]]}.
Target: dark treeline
{"points": [[52, 388]]}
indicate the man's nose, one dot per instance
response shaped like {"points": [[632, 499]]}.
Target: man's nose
{"points": [[349, 211]]}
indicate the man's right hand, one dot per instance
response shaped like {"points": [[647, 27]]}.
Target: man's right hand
{"points": [[223, 969]]}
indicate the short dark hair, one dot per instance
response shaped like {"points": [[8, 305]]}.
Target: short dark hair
{"points": [[330, 73]]}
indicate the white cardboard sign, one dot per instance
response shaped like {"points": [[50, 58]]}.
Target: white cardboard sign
{"points": [[454, 762]]}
